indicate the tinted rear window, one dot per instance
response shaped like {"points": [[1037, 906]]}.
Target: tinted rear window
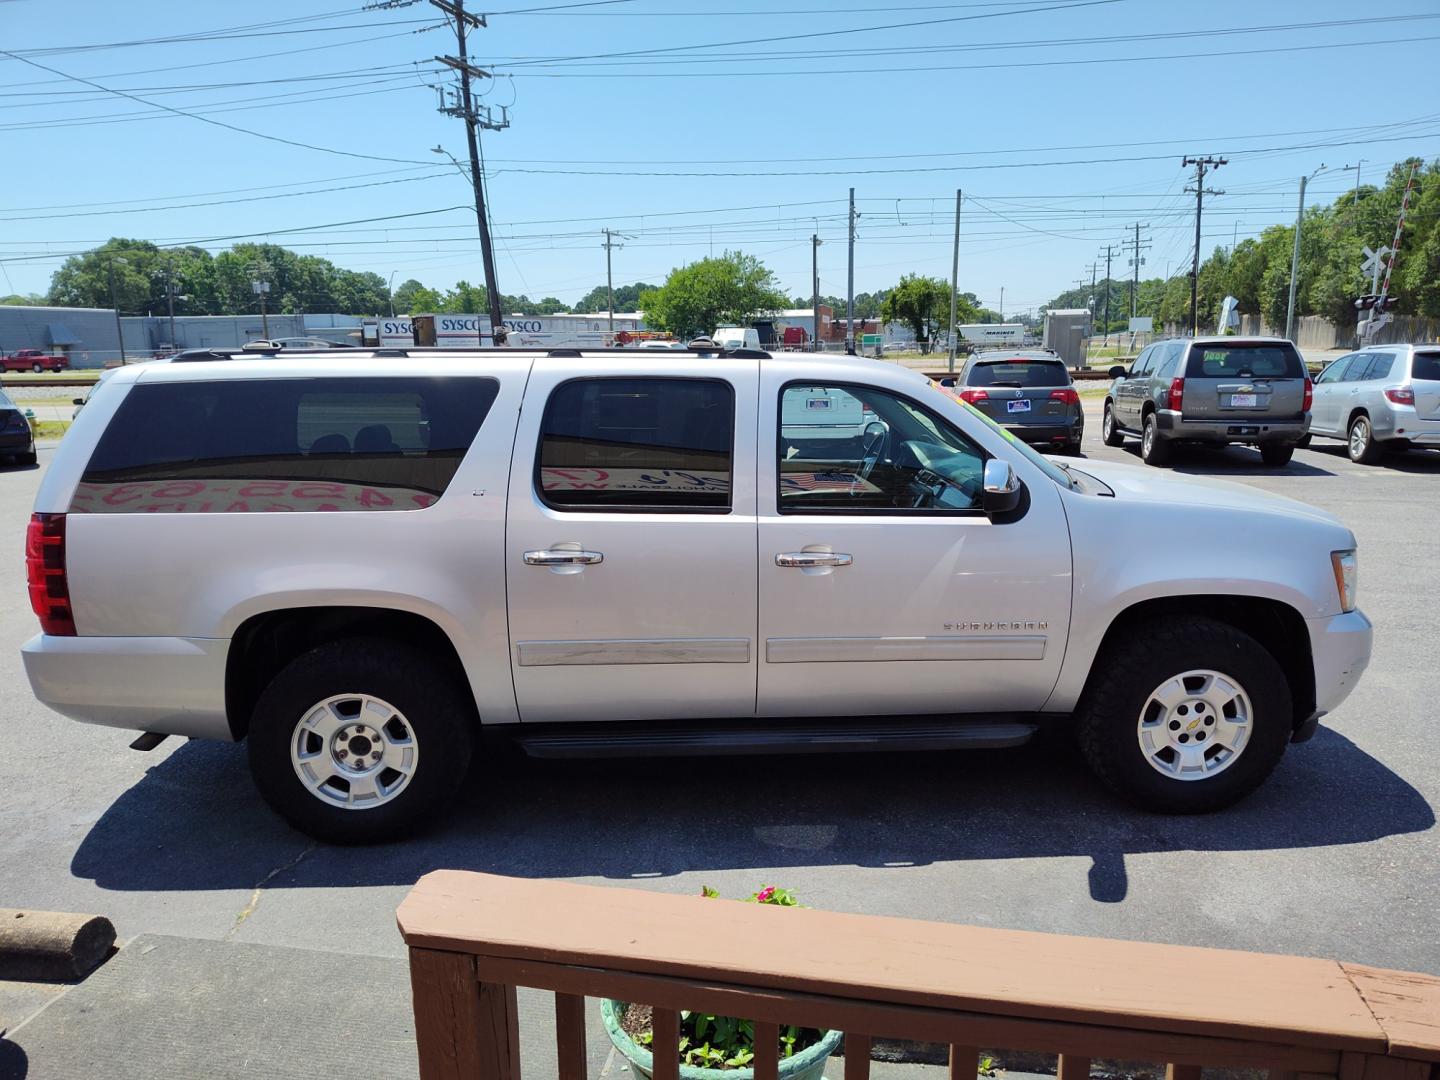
{"points": [[637, 444], [1426, 367], [252, 446], [1245, 362], [1020, 373]]}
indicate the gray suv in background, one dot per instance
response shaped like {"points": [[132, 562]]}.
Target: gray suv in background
{"points": [[1030, 394], [1386, 397], [1214, 391]]}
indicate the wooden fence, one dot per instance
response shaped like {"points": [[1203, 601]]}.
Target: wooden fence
{"points": [[474, 938]]}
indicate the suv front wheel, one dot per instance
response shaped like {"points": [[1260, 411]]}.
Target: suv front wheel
{"points": [[360, 740], [1185, 715]]}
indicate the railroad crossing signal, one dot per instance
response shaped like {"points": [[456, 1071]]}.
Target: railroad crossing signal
{"points": [[1374, 260]]}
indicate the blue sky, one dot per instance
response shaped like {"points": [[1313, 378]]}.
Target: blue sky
{"points": [[718, 125]]}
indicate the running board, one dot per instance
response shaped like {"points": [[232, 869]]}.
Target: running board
{"points": [[599, 740]]}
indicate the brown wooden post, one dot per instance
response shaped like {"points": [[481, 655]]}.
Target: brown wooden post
{"points": [[1073, 1068], [464, 1029], [767, 1051], [570, 1036], [1182, 1072], [964, 1062], [857, 1056], [665, 1046]]}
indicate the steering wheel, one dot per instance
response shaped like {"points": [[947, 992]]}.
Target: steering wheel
{"points": [[877, 438]]}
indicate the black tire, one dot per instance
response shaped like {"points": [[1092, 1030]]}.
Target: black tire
{"points": [[1072, 449], [438, 712], [1130, 671], [1361, 445], [1155, 449], [32, 458], [1277, 454], [1304, 442], [1110, 432]]}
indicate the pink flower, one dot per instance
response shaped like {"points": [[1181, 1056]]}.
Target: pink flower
{"points": [[764, 895]]}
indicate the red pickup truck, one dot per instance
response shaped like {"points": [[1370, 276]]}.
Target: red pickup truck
{"points": [[34, 360]]}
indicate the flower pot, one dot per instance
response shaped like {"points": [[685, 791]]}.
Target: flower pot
{"points": [[808, 1064]]}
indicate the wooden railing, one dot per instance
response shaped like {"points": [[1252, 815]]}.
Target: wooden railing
{"points": [[474, 938]]}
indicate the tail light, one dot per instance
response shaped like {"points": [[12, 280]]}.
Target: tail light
{"points": [[1068, 396], [1401, 395], [45, 573], [972, 396], [1309, 395], [1176, 397]]}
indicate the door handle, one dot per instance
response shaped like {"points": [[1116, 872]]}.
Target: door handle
{"points": [[562, 557], [806, 559]]}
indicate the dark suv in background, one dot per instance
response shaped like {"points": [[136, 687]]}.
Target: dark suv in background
{"points": [[1029, 394], [1214, 391]]}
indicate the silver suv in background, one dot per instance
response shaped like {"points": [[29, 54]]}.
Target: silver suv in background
{"points": [[1029, 394], [1214, 391], [1386, 397]]}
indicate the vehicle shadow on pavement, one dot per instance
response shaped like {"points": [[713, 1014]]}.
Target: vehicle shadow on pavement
{"points": [[1231, 460], [1411, 461], [195, 822]]}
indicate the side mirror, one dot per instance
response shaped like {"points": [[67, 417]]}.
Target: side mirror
{"points": [[948, 382], [1117, 372], [77, 401], [1002, 488]]}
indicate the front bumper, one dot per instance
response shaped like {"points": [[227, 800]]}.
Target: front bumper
{"points": [[170, 685], [1340, 646]]}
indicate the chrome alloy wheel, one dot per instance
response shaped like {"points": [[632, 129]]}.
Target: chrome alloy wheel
{"points": [[1107, 423], [1359, 437], [1195, 725], [1147, 439], [354, 751]]}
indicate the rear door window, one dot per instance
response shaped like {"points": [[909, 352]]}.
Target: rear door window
{"points": [[1019, 373], [262, 445], [1260, 361], [1379, 367], [647, 444]]}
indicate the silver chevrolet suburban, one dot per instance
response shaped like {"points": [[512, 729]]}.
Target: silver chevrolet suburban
{"points": [[356, 560]]}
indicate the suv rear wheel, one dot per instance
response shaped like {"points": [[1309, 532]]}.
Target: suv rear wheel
{"points": [[1277, 454], [1154, 449], [1186, 715], [1110, 431], [360, 740], [1362, 447]]}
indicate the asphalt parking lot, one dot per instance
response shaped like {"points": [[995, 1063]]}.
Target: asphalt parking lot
{"points": [[1337, 855]]}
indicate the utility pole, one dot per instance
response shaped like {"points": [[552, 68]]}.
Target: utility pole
{"points": [[1295, 257], [1090, 303], [170, 302], [1136, 261], [610, 282], [119, 330], [262, 288], [1001, 312], [850, 285], [465, 109], [955, 280], [815, 288], [1201, 164], [1355, 199], [1109, 253]]}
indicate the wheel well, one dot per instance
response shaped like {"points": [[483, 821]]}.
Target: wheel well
{"points": [[265, 643], [1361, 411], [1147, 408], [1278, 627]]}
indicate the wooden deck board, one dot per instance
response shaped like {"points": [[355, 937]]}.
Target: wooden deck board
{"points": [[1406, 1005], [1295, 1000]]}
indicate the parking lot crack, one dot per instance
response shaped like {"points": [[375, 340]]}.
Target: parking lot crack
{"points": [[249, 908]]}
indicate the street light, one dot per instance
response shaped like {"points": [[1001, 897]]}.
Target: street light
{"points": [[390, 291], [1295, 255], [115, 303]]}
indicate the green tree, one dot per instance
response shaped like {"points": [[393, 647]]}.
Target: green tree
{"points": [[423, 301], [405, 294], [22, 300], [732, 289], [923, 304], [627, 298]]}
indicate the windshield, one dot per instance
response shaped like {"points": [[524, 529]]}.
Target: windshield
{"points": [[1044, 464], [1018, 372], [1278, 360]]}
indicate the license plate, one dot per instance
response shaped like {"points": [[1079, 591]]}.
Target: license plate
{"points": [[1242, 401], [1019, 405]]}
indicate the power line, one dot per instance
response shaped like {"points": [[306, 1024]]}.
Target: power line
{"points": [[206, 119]]}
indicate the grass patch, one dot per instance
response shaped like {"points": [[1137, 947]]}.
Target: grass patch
{"points": [[48, 378], [51, 429]]}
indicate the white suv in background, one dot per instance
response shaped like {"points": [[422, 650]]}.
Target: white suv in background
{"points": [[355, 560]]}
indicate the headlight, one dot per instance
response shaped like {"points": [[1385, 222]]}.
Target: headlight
{"points": [[1346, 572]]}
